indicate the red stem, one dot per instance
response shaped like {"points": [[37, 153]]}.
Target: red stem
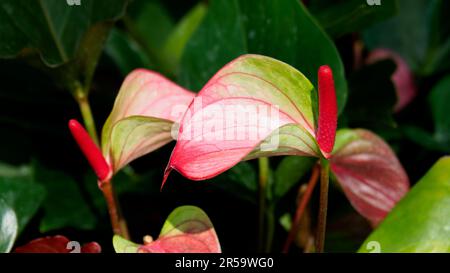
{"points": [[117, 221], [301, 208]]}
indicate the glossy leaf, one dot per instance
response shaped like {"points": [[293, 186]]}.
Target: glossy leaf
{"points": [[63, 41], [140, 22], [20, 199], [51, 28], [342, 17], [64, 205], [438, 100], [186, 230], [419, 222], [369, 172], [419, 33], [126, 53], [254, 106], [142, 117], [163, 42], [176, 41], [58, 244], [282, 29], [19, 191]]}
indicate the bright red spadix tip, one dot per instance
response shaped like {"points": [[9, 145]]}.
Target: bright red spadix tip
{"points": [[326, 130], [90, 151]]}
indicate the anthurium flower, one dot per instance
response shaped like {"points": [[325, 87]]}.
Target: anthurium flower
{"points": [[186, 230], [146, 108], [257, 106], [370, 174], [141, 121], [266, 96], [57, 244]]}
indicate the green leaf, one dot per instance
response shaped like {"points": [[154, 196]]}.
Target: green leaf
{"points": [[122, 245], [281, 29], [20, 199], [372, 97], [419, 222], [8, 227], [64, 205], [438, 100], [419, 33], [241, 181], [125, 52], [342, 17], [164, 41], [289, 172], [176, 42], [52, 28], [20, 192], [64, 41], [423, 138], [150, 24]]}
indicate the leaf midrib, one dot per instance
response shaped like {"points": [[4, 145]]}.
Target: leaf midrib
{"points": [[51, 27]]}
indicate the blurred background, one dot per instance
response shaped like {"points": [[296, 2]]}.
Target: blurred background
{"points": [[393, 58]]}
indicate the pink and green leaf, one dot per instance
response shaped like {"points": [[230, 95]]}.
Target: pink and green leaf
{"points": [[369, 172], [248, 81], [142, 117], [186, 230]]}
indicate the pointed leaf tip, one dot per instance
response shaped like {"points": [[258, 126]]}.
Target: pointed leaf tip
{"points": [[90, 150], [326, 129], [167, 172]]}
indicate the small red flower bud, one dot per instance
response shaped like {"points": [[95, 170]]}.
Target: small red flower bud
{"points": [[326, 130], [90, 151]]}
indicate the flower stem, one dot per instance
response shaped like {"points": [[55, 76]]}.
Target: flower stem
{"points": [[86, 113], [263, 178], [323, 205], [270, 227], [118, 223], [301, 208]]}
